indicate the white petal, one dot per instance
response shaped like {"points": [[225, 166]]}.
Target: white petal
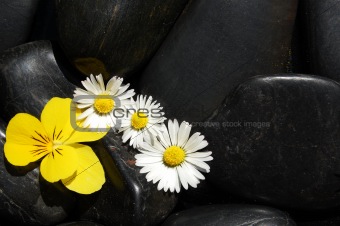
{"points": [[194, 140], [190, 177], [114, 84], [126, 135], [197, 147], [150, 167], [162, 182], [122, 89], [81, 92], [148, 147], [168, 175], [199, 154], [86, 113], [148, 102], [190, 168], [152, 176], [140, 102], [90, 85], [128, 94], [149, 137], [152, 154], [182, 177], [173, 131], [156, 174], [142, 159], [95, 84], [139, 140], [177, 184], [90, 120], [101, 82], [82, 106], [183, 133], [86, 101], [157, 145], [164, 137], [168, 180], [202, 166]]}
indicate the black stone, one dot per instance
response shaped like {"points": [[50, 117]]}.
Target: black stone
{"points": [[320, 23], [16, 18], [334, 221], [230, 215], [205, 194], [114, 37], [276, 140], [26, 198], [45, 26], [126, 198], [29, 77], [80, 223], [299, 58], [213, 46]]}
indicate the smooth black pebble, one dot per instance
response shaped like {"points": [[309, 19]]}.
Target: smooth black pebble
{"points": [[276, 140], [213, 46], [230, 215], [114, 37], [16, 19]]}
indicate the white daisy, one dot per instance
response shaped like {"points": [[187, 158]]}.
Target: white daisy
{"points": [[99, 103], [173, 159], [142, 122]]}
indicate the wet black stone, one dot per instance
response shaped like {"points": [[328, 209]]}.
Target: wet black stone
{"points": [[206, 194], [80, 223], [16, 18], [29, 77], [26, 198], [334, 221], [320, 23], [126, 198], [44, 26], [114, 37], [276, 140], [213, 46], [230, 215], [299, 59]]}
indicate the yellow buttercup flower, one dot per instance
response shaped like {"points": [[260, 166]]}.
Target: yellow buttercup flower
{"points": [[55, 141]]}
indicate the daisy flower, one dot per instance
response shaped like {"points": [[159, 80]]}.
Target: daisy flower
{"points": [[99, 103], [173, 159], [54, 141], [143, 120]]}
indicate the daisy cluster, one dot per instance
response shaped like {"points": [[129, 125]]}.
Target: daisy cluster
{"points": [[168, 154]]}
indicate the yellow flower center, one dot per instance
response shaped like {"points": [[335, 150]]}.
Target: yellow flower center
{"points": [[104, 105], [173, 156], [139, 120]]}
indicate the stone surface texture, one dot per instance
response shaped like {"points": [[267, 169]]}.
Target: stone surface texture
{"points": [[276, 140], [113, 36], [230, 215], [213, 46]]}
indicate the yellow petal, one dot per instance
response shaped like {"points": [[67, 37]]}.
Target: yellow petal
{"points": [[59, 120], [22, 155], [56, 116], [61, 163], [26, 140], [90, 175]]}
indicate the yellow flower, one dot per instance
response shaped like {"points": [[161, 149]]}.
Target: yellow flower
{"points": [[55, 140]]}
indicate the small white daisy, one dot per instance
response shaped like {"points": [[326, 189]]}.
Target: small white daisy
{"points": [[142, 122], [173, 159], [100, 103]]}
